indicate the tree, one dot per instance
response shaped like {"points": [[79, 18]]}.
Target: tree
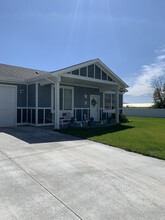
{"points": [[159, 92]]}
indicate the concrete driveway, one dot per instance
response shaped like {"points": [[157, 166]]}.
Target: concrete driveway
{"points": [[49, 175]]}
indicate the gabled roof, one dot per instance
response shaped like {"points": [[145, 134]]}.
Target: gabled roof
{"points": [[9, 73], [99, 63], [74, 67]]}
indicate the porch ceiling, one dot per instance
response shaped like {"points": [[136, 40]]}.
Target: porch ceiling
{"points": [[102, 85], [83, 81]]}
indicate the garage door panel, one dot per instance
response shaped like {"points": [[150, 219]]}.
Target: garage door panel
{"points": [[7, 105]]}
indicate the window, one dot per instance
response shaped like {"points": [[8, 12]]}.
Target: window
{"points": [[75, 72], [109, 101], [83, 71], [120, 100], [97, 72], [66, 98], [109, 78], [104, 76], [91, 71]]}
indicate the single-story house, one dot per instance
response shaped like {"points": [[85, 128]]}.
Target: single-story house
{"points": [[86, 91]]}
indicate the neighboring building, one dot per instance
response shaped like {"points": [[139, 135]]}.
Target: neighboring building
{"points": [[83, 91]]}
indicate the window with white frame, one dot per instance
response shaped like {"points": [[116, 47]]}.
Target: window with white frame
{"points": [[109, 101], [66, 98]]}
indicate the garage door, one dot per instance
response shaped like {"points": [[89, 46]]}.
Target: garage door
{"points": [[7, 105]]}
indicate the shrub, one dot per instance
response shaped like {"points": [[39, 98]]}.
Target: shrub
{"points": [[123, 118]]}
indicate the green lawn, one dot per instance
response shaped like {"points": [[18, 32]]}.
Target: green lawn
{"points": [[142, 135]]}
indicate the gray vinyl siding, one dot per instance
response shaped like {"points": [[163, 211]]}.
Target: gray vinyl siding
{"points": [[44, 96], [31, 95], [21, 96], [80, 92]]}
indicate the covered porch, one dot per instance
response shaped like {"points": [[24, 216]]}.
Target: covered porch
{"points": [[76, 101], [85, 94]]}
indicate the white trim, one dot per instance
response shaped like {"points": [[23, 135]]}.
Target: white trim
{"points": [[117, 107], [63, 87], [79, 85], [111, 73], [55, 74], [89, 79], [94, 71], [44, 108], [98, 108], [57, 105], [21, 115], [46, 124], [110, 92], [33, 108], [36, 102], [52, 98], [11, 80], [109, 110], [22, 108], [68, 87], [81, 108], [105, 74], [101, 65], [27, 101], [15, 105], [72, 68]]}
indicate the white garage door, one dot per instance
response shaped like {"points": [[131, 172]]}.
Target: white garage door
{"points": [[7, 105]]}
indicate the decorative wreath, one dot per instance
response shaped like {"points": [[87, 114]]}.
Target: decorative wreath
{"points": [[93, 102]]}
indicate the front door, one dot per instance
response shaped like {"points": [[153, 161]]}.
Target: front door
{"points": [[95, 107]]}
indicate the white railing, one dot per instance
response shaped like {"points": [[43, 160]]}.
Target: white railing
{"points": [[30, 119], [22, 121]]}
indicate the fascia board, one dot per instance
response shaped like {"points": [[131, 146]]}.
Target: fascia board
{"points": [[89, 79], [95, 61], [112, 74], [72, 68], [11, 80], [37, 78]]}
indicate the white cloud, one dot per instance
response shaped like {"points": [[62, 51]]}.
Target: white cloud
{"points": [[142, 83]]}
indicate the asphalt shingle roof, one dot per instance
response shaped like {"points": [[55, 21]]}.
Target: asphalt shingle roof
{"points": [[18, 73]]}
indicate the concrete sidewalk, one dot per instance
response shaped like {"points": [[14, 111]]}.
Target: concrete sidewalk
{"points": [[49, 175]]}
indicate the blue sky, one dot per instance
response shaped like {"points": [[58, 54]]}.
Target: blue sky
{"points": [[127, 35]]}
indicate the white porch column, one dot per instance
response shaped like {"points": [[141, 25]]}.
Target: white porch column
{"points": [[57, 105], [117, 106], [36, 106]]}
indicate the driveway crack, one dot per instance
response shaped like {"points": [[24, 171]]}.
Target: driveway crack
{"points": [[20, 167]]}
